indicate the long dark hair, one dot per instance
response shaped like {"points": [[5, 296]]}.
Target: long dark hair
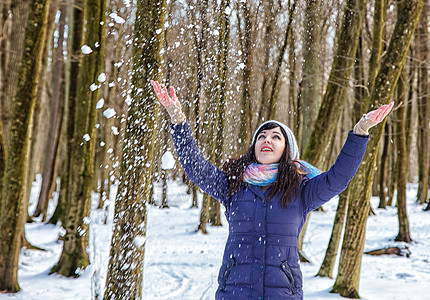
{"points": [[289, 175]]}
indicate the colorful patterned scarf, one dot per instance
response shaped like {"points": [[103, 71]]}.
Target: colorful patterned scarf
{"points": [[310, 169], [261, 175]]}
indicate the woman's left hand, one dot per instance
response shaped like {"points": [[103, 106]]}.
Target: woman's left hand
{"points": [[372, 119]]}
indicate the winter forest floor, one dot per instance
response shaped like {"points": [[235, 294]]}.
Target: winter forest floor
{"points": [[183, 264]]}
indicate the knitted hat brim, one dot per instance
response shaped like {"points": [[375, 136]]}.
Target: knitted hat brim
{"points": [[292, 142]]}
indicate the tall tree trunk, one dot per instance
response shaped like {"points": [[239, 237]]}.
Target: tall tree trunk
{"points": [[424, 106], [353, 242], [402, 161], [383, 169], [269, 22], [200, 46], [273, 100], [342, 67], [222, 71], [204, 214], [19, 10], [38, 136], [326, 269], [292, 94], [81, 169], [12, 198], [394, 170], [215, 142], [311, 69], [5, 24], [75, 15], [125, 270], [5, 29], [378, 37], [53, 140], [325, 126], [245, 130]]}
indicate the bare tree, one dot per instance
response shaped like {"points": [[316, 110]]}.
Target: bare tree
{"points": [[423, 104], [12, 198], [216, 110], [53, 140], [125, 270], [81, 167], [402, 160], [326, 123], [311, 82], [353, 242]]}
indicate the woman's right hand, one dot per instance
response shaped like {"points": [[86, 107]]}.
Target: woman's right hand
{"points": [[172, 104]]}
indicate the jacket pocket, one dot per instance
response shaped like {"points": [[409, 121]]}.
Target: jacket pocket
{"points": [[289, 274], [226, 273]]}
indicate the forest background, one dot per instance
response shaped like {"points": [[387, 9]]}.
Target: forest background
{"points": [[77, 107]]}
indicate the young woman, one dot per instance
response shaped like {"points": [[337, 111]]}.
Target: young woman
{"points": [[267, 193]]}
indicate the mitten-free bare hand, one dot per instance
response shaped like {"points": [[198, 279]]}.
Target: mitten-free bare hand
{"points": [[372, 119], [172, 104]]}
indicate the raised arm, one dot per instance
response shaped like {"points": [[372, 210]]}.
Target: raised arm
{"points": [[327, 185], [208, 177]]}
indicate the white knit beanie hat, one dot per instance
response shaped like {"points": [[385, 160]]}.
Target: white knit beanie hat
{"points": [[292, 142]]}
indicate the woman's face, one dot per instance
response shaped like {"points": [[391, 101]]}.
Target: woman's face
{"points": [[269, 146]]}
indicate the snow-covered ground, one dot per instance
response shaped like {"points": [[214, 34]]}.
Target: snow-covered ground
{"points": [[183, 264]]}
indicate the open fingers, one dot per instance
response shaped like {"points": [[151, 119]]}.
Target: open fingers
{"points": [[382, 112], [385, 111], [161, 93], [173, 93], [166, 96], [157, 90]]}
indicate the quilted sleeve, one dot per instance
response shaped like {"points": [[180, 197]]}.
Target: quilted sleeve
{"points": [[208, 177], [320, 189]]}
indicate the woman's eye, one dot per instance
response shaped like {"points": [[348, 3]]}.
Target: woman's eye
{"points": [[261, 136], [277, 137]]}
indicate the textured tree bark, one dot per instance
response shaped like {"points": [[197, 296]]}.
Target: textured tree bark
{"points": [[273, 100], [423, 104], [326, 269], [12, 197], [245, 130], [125, 270], [214, 213], [200, 44], [19, 11], [5, 28], [217, 107], [269, 23], [5, 23], [402, 161], [342, 68], [353, 242], [204, 214], [53, 140], [311, 83], [383, 169], [38, 136], [292, 94], [322, 135], [75, 15], [393, 175], [74, 256], [378, 37]]}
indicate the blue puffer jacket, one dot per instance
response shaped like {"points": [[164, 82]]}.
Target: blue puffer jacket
{"points": [[261, 258]]}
